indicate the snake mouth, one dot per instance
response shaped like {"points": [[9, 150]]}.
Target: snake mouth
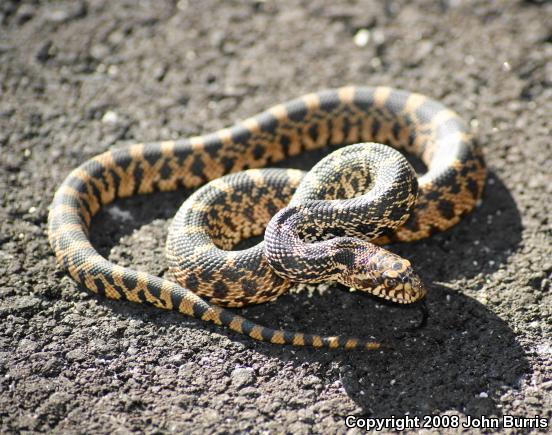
{"points": [[407, 301], [410, 292], [387, 298], [406, 291]]}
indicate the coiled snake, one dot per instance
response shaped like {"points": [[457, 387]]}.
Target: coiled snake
{"points": [[355, 194]]}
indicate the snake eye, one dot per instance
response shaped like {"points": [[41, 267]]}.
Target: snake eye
{"points": [[390, 282]]}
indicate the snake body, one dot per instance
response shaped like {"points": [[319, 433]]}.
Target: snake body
{"points": [[407, 121], [320, 236], [353, 196]]}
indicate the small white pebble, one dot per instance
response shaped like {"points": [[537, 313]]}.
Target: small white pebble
{"points": [[448, 298], [469, 60], [32, 210], [120, 214], [544, 349], [110, 117], [375, 62], [392, 382], [362, 38], [182, 5], [483, 395], [27, 153], [506, 67], [113, 70]]}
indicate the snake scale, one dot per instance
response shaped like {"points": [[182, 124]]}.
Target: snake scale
{"points": [[236, 199]]}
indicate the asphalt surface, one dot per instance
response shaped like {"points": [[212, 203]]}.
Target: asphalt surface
{"points": [[77, 78]]}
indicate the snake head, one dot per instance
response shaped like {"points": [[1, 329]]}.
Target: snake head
{"points": [[379, 272]]}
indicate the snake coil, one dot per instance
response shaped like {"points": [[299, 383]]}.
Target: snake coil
{"points": [[407, 121]]}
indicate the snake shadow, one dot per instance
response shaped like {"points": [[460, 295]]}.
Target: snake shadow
{"points": [[464, 359]]}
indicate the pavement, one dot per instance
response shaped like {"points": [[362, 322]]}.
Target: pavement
{"points": [[79, 77]]}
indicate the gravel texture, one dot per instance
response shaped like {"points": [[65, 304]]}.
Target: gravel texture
{"points": [[79, 77]]}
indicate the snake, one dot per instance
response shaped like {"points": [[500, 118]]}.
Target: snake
{"points": [[329, 223]]}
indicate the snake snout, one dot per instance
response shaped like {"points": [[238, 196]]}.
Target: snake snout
{"points": [[404, 286], [386, 275]]}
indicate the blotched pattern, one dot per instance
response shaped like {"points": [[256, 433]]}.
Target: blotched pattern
{"points": [[409, 122]]}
